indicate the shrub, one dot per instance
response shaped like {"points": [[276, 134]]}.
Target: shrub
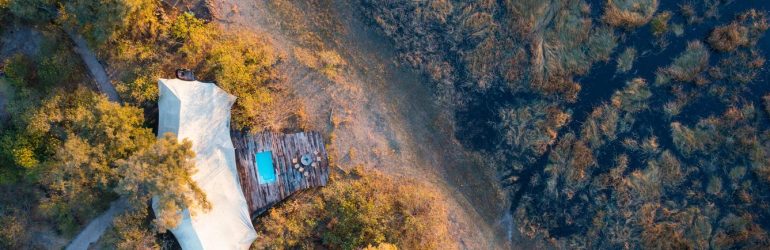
{"points": [[243, 65], [358, 210], [13, 233], [601, 126], [689, 13], [131, 230], [601, 43], [19, 70], [739, 232], [569, 165]]}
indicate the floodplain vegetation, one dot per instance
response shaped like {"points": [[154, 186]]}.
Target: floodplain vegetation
{"points": [[673, 159], [67, 152]]}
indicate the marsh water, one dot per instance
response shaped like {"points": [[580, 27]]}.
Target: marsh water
{"points": [[477, 121]]}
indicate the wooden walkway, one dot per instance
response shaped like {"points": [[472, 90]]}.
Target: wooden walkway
{"points": [[291, 174]]}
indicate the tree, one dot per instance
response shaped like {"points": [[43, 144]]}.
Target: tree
{"points": [[131, 230], [77, 137], [35, 11], [77, 179], [163, 173], [243, 65]]}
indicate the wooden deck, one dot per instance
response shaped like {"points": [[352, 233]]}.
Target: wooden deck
{"points": [[287, 150]]}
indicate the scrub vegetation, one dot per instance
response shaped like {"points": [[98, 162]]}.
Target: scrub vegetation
{"points": [[360, 209]]}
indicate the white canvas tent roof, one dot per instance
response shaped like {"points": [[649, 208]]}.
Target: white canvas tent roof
{"points": [[200, 112]]}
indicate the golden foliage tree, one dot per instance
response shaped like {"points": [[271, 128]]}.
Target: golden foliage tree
{"points": [[163, 173]]}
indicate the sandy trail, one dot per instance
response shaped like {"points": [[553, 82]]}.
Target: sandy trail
{"points": [[97, 226], [381, 115]]}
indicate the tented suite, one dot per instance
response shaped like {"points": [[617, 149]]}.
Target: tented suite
{"points": [[200, 112]]}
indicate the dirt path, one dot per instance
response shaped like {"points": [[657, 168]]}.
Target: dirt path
{"points": [[97, 226], [382, 115], [95, 68]]}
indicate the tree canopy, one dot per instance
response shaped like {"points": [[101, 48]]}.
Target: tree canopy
{"points": [[164, 171]]}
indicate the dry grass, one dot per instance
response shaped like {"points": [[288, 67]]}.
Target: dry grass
{"points": [[326, 62]]}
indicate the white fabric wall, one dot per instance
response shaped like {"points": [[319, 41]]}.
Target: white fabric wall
{"points": [[200, 112]]}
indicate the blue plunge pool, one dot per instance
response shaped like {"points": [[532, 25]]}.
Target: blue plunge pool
{"points": [[265, 170]]}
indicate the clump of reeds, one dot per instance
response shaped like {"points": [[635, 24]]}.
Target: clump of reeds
{"points": [[756, 22], [659, 24], [566, 45], [625, 60], [740, 67], [767, 103], [739, 232], [632, 98], [690, 14], [529, 130], [601, 126], [689, 65], [629, 13], [677, 29], [685, 139], [729, 37], [568, 167]]}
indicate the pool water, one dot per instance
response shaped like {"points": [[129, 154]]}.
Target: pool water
{"points": [[265, 170]]}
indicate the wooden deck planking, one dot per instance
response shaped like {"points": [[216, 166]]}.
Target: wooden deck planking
{"points": [[284, 148]]}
